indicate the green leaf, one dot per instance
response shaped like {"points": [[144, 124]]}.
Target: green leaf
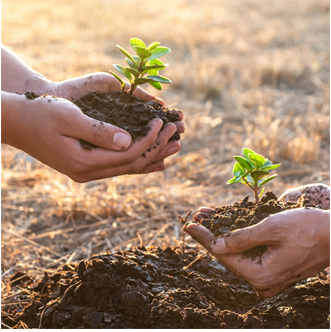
{"points": [[142, 80], [258, 175], [131, 63], [156, 67], [136, 42], [118, 78], [236, 179], [267, 180], [243, 162], [238, 170], [156, 62], [262, 192], [156, 85], [158, 52], [142, 52], [256, 159], [153, 72], [161, 79], [250, 180], [246, 152], [134, 72], [126, 53], [153, 45], [268, 168], [123, 71]]}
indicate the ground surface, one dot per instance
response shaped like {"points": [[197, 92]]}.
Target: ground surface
{"points": [[153, 288], [250, 73]]}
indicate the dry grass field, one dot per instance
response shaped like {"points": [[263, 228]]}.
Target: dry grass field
{"points": [[246, 73]]}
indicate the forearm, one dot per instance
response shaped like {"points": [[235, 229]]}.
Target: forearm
{"points": [[16, 76], [11, 107]]}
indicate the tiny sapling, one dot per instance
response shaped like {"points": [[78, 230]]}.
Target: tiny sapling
{"points": [[144, 66], [253, 171]]}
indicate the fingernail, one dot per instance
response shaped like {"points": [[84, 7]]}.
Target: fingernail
{"points": [[218, 246], [122, 140]]}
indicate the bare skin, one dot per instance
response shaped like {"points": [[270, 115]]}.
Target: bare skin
{"points": [[44, 127], [298, 246]]}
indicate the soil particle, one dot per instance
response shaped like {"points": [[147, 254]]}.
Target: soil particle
{"points": [[149, 288]]}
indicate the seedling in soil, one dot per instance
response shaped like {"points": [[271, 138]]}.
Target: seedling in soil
{"points": [[144, 66], [253, 171]]}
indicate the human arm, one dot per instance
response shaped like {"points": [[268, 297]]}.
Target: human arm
{"points": [[298, 246]]}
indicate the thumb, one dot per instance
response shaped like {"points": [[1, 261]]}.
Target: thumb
{"points": [[99, 133], [233, 243]]}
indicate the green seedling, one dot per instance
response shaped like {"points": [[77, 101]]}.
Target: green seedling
{"points": [[253, 171], [144, 66]]}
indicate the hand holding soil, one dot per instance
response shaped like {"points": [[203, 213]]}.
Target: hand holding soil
{"points": [[49, 129], [297, 241]]}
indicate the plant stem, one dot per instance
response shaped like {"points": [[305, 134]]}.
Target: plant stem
{"points": [[256, 195]]}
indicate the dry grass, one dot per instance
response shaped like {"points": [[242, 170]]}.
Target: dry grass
{"points": [[245, 72]]}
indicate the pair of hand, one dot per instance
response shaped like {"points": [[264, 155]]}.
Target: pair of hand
{"points": [[298, 246], [49, 129]]}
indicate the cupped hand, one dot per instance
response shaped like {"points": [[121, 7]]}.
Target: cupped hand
{"points": [[298, 246], [50, 129], [74, 88]]}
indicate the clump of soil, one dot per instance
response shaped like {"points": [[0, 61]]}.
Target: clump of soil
{"points": [[131, 114], [245, 213], [159, 288]]}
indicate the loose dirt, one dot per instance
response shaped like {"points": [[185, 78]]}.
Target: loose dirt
{"points": [[150, 288], [168, 288], [131, 115]]}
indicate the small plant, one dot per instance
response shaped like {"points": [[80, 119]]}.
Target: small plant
{"points": [[252, 170], [144, 66]]}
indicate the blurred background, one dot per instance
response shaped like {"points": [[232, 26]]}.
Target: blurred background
{"points": [[246, 73]]}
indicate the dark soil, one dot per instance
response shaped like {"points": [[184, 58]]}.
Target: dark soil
{"points": [[143, 288], [131, 115], [168, 288], [245, 213]]}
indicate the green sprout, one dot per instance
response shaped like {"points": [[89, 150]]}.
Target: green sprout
{"points": [[252, 170], [144, 66]]}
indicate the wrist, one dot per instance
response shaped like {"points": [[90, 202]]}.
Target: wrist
{"points": [[12, 105]]}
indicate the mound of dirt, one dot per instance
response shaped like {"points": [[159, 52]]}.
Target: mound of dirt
{"points": [[157, 288], [131, 115]]}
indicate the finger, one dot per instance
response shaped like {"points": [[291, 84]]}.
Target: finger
{"points": [[180, 126], [199, 216], [248, 268], [145, 96], [137, 166], [154, 167], [180, 114], [100, 158], [170, 149], [101, 134], [199, 233], [206, 209], [203, 213]]}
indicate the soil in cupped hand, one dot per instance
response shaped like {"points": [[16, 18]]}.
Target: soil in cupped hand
{"points": [[226, 219], [130, 114]]}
